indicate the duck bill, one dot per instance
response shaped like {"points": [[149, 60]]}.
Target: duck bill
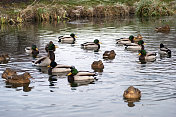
{"points": [[139, 54], [69, 74], [37, 49], [56, 46], [49, 66], [100, 43], [145, 44]]}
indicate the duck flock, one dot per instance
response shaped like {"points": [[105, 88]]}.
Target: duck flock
{"points": [[73, 75]]}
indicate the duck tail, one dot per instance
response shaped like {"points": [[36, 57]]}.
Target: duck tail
{"points": [[169, 52]]}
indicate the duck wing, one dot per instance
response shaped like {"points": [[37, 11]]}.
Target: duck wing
{"points": [[85, 73]]}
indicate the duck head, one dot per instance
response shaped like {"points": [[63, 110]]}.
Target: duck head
{"points": [[96, 41], [70, 75], [141, 42], [73, 71], [34, 47], [72, 35], [131, 38], [27, 75], [161, 45]]}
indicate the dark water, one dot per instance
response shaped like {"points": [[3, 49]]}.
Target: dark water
{"points": [[48, 98]]}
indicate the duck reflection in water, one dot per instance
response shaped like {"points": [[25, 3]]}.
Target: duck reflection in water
{"points": [[26, 87]]}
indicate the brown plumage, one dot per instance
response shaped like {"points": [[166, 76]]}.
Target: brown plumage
{"points": [[163, 29], [97, 65], [132, 93], [109, 54], [20, 79], [8, 73]]}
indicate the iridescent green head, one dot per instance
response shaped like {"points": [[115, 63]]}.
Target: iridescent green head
{"points": [[131, 37], [74, 71], [143, 52], [141, 42], [96, 41], [34, 47], [72, 35]]}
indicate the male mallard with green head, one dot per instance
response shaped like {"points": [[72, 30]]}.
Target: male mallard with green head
{"points": [[76, 75], [67, 39], [58, 68], [125, 40], [164, 50], [134, 46], [46, 60], [95, 45], [32, 50]]}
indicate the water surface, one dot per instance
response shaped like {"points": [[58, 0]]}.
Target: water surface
{"points": [[53, 96]]}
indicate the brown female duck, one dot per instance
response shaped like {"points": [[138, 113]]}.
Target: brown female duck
{"points": [[4, 57], [97, 65], [132, 93], [109, 54], [163, 29], [20, 79], [8, 73]]}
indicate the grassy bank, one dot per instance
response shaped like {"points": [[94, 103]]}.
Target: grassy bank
{"points": [[56, 10]]}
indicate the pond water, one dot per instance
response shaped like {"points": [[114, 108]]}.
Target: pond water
{"points": [[53, 96]]}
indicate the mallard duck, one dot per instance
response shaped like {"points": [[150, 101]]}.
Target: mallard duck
{"points": [[8, 73], [67, 39], [4, 57], [97, 65], [46, 60], [109, 54], [132, 93], [146, 57], [163, 29], [76, 75], [58, 68], [164, 50], [91, 45], [19, 79], [50, 47], [138, 38], [32, 50], [134, 46], [125, 40]]}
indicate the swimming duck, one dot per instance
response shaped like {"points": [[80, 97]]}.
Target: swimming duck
{"points": [[32, 50], [91, 45], [4, 57], [58, 68], [126, 40], [109, 54], [46, 60], [138, 38], [164, 50], [50, 46], [97, 65], [163, 29], [146, 57], [132, 93], [8, 73], [76, 75], [67, 39], [19, 79], [134, 46]]}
